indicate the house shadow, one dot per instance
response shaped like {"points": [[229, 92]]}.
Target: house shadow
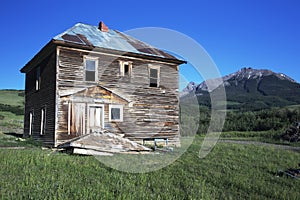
{"points": [[17, 135]]}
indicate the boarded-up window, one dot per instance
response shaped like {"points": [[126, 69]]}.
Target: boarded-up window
{"points": [[91, 69], [43, 121], [116, 113], [76, 119], [153, 76]]}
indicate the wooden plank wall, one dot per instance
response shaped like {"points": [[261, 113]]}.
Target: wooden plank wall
{"points": [[43, 98], [154, 112]]}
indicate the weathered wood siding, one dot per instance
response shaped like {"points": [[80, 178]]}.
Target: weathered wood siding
{"points": [[44, 98], [85, 98], [153, 112]]}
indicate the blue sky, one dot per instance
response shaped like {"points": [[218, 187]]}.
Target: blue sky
{"points": [[236, 33]]}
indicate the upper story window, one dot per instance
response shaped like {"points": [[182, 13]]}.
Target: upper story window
{"points": [[90, 65], [154, 76], [125, 68], [38, 78]]}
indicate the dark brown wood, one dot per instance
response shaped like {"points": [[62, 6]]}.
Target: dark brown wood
{"points": [[44, 98]]}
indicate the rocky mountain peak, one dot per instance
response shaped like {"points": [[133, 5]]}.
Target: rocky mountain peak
{"points": [[239, 77]]}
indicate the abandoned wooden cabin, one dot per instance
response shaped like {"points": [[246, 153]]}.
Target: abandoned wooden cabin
{"points": [[92, 78]]}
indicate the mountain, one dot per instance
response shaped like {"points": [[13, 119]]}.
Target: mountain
{"points": [[248, 89]]}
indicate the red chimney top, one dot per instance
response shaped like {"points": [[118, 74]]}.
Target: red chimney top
{"points": [[102, 27]]}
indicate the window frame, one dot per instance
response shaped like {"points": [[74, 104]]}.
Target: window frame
{"points": [[158, 75], [31, 119], [43, 121], [38, 78], [122, 68], [121, 107], [85, 59]]}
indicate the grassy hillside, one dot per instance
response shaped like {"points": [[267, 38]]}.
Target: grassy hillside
{"points": [[11, 111], [12, 97], [231, 171]]}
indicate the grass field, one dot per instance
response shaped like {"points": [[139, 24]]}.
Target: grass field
{"points": [[272, 137], [230, 171], [9, 121], [11, 97]]}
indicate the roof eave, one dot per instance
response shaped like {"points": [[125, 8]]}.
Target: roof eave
{"points": [[42, 54]]}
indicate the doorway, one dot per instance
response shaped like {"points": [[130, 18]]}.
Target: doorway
{"points": [[95, 118]]}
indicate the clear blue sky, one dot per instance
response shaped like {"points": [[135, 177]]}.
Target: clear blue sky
{"points": [[236, 33]]}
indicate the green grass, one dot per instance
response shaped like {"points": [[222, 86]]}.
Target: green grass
{"points": [[229, 172], [11, 97], [12, 141], [249, 134], [272, 137], [10, 122]]}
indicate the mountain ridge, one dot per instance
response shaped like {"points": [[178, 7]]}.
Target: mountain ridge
{"points": [[248, 88], [248, 73]]}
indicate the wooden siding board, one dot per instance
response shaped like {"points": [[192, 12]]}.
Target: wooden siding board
{"points": [[162, 102], [43, 98]]}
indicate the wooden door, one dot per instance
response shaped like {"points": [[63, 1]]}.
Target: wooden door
{"points": [[95, 120], [78, 119]]}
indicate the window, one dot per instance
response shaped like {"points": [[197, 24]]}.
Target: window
{"points": [[153, 76], [38, 78], [43, 121], [116, 113], [125, 68], [91, 69], [30, 122]]}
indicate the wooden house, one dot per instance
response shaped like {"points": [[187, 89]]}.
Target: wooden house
{"points": [[92, 78]]}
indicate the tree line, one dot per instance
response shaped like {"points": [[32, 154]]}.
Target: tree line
{"points": [[264, 120]]}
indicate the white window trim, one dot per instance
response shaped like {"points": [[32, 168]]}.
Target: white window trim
{"points": [[38, 79], [85, 58], [121, 112], [158, 73], [122, 67], [43, 121], [30, 123], [69, 117]]}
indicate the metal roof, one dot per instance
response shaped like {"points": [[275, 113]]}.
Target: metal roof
{"points": [[89, 35]]}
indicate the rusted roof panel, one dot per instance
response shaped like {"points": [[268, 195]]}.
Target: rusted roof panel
{"points": [[91, 36]]}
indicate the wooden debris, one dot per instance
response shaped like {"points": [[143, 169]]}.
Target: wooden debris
{"points": [[102, 143]]}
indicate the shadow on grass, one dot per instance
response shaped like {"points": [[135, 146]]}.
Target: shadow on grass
{"points": [[17, 135]]}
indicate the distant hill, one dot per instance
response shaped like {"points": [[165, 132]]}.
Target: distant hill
{"points": [[11, 111], [248, 89]]}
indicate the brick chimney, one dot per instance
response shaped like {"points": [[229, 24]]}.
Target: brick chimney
{"points": [[102, 27]]}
